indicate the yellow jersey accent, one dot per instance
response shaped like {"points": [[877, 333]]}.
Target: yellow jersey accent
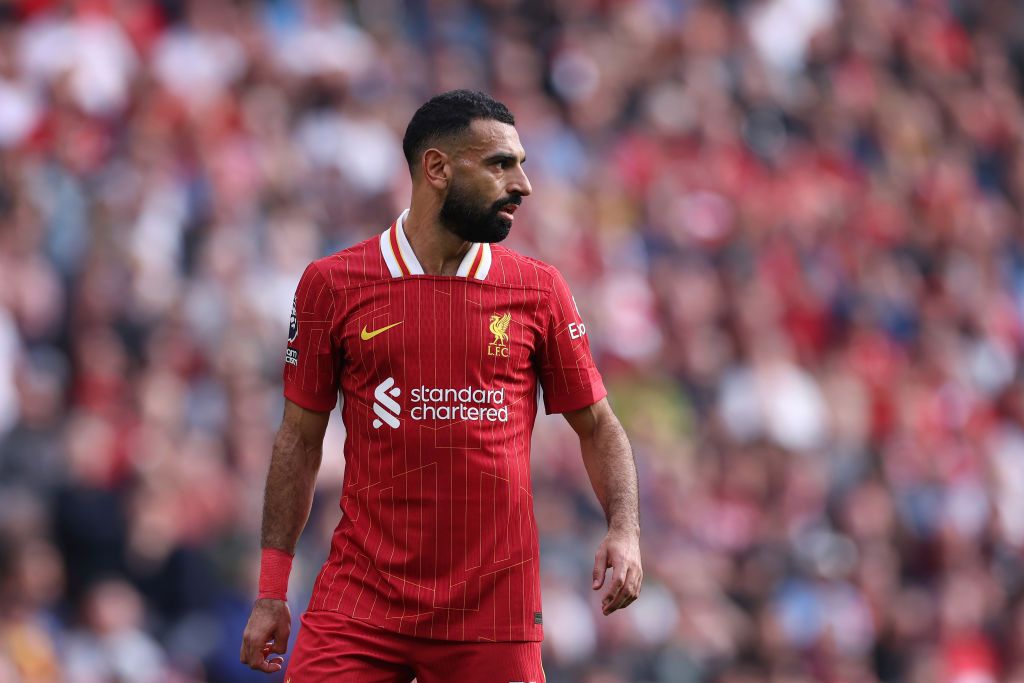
{"points": [[499, 328], [367, 336]]}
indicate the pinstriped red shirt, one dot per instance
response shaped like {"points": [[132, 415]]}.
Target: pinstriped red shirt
{"points": [[439, 377]]}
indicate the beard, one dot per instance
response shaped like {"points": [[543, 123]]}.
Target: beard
{"points": [[462, 216]]}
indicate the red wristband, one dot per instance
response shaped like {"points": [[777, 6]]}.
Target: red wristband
{"points": [[275, 566]]}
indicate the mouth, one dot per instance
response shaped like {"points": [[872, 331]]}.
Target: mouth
{"points": [[508, 210]]}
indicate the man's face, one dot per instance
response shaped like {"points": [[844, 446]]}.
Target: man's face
{"points": [[488, 183]]}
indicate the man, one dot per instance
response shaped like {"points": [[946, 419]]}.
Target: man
{"points": [[437, 340]]}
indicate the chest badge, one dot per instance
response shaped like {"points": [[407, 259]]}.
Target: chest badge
{"points": [[499, 328]]}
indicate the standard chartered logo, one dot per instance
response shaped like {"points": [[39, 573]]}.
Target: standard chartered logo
{"points": [[385, 407], [466, 404]]}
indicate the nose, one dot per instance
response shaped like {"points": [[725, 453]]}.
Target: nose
{"points": [[520, 183]]}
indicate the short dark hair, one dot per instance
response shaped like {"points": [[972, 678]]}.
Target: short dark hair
{"points": [[448, 114]]}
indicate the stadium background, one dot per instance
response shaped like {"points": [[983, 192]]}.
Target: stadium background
{"points": [[793, 228]]}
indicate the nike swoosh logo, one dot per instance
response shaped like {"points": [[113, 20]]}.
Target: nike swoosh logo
{"points": [[367, 336]]}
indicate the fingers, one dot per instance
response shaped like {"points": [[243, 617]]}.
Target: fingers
{"points": [[251, 644], [272, 664], [624, 589], [629, 593], [612, 598], [600, 566], [269, 666], [263, 661], [251, 654], [266, 636], [280, 645]]}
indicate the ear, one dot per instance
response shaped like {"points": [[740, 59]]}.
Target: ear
{"points": [[437, 168]]}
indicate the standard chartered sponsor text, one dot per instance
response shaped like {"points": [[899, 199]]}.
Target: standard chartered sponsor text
{"points": [[467, 403]]}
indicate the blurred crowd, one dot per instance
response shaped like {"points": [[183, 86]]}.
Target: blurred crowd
{"points": [[794, 230]]}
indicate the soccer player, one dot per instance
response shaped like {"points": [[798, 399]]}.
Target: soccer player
{"points": [[437, 339]]}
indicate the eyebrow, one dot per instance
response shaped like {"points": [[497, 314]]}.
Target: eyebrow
{"points": [[503, 157]]}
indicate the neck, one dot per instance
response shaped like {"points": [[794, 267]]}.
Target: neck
{"points": [[437, 249]]}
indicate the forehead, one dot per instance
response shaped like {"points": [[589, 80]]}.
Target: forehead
{"points": [[487, 136]]}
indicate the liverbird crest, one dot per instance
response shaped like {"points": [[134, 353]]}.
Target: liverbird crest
{"points": [[499, 327]]}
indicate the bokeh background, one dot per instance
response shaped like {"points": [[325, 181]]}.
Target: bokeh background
{"points": [[794, 229]]}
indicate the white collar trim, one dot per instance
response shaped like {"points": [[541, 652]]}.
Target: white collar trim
{"points": [[395, 258]]}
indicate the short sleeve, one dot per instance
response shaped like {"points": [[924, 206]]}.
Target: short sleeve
{"points": [[568, 374], [311, 363]]}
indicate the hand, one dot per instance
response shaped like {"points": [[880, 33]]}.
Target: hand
{"points": [[621, 551], [267, 632]]}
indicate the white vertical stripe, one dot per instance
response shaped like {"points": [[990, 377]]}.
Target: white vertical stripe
{"points": [[408, 255], [389, 255], [485, 263], [467, 261]]}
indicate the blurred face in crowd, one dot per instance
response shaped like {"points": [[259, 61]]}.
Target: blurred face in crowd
{"points": [[487, 183]]}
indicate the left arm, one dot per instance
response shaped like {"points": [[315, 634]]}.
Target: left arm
{"points": [[612, 470]]}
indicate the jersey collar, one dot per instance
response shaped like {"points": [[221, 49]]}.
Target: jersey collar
{"points": [[401, 260]]}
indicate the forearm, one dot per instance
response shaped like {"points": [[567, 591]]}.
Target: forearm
{"points": [[289, 491], [609, 461]]}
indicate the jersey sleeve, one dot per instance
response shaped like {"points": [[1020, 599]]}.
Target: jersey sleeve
{"points": [[568, 374], [312, 359]]}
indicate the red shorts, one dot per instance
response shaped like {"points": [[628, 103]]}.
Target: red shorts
{"points": [[333, 647]]}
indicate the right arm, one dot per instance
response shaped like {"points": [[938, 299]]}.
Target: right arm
{"points": [[294, 464]]}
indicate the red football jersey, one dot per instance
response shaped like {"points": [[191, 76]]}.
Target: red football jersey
{"points": [[439, 378]]}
